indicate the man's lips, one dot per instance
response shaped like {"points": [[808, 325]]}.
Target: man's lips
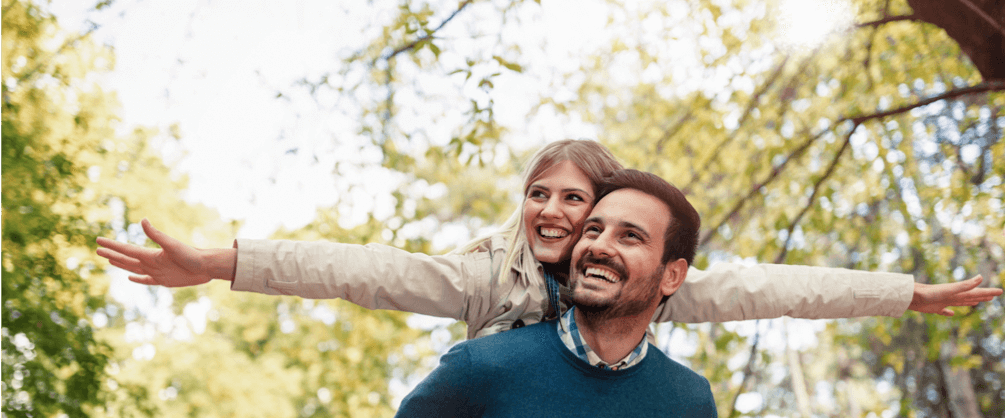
{"points": [[602, 273], [604, 269]]}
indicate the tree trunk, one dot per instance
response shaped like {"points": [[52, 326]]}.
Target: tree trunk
{"points": [[796, 371], [978, 26], [959, 386]]}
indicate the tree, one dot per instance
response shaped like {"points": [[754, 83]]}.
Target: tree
{"points": [[875, 150], [67, 178]]}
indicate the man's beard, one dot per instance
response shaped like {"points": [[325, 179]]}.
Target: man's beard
{"points": [[615, 306]]}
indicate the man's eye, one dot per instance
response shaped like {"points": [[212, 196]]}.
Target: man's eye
{"points": [[591, 229]]}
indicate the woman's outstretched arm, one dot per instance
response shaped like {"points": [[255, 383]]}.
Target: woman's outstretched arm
{"points": [[373, 276], [175, 264]]}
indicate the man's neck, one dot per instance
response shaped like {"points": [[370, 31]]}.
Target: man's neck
{"points": [[560, 271], [612, 339]]}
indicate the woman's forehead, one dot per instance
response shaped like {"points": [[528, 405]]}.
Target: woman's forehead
{"points": [[563, 175]]}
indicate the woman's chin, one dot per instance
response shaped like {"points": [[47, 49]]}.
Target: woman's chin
{"points": [[547, 255]]}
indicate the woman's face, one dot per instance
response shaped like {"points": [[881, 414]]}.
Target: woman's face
{"points": [[555, 208]]}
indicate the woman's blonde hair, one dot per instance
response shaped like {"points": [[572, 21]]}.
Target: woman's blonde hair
{"points": [[594, 159]]}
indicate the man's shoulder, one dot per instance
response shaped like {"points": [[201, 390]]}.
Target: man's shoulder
{"points": [[677, 375], [666, 364], [519, 342]]}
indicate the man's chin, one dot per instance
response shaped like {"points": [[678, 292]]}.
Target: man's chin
{"points": [[589, 304]]}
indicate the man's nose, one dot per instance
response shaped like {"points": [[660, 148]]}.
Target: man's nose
{"points": [[603, 245]]}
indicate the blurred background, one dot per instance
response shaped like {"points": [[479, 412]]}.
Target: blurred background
{"points": [[864, 134]]}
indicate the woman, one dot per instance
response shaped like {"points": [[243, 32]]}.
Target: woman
{"points": [[502, 282]]}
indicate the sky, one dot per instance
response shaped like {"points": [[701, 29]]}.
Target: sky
{"points": [[213, 69]]}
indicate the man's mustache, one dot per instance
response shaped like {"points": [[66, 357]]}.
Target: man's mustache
{"points": [[608, 262]]}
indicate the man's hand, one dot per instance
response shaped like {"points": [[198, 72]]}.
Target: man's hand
{"points": [[175, 264], [937, 298]]}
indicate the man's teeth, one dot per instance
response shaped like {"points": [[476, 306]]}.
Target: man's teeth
{"points": [[607, 275], [553, 232]]}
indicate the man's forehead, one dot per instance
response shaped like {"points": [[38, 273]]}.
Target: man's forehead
{"points": [[632, 206]]}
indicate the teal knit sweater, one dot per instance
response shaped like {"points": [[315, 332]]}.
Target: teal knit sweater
{"points": [[528, 372]]}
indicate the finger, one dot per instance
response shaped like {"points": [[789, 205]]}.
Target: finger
{"points": [[947, 312], [128, 249], [114, 255], [951, 292], [147, 280], [980, 293], [132, 268]]}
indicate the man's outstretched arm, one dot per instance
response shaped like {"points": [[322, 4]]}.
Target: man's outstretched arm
{"points": [[937, 298]]}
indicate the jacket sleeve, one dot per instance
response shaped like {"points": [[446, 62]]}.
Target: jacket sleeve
{"points": [[451, 390], [373, 276], [734, 292]]}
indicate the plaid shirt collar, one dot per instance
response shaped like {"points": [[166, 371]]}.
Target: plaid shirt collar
{"points": [[569, 333]]}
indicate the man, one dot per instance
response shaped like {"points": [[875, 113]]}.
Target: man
{"points": [[636, 246]]}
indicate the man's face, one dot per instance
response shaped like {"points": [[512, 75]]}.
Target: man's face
{"points": [[617, 264]]}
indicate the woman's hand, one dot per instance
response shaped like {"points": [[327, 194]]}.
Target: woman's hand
{"points": [[175, 264], [937, 298]]}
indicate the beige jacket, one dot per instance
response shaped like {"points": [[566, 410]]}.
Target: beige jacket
{"points": [[468, 287]]}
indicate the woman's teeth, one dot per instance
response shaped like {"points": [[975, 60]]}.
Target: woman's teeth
{"points": [[606, 275], [553, 232]]}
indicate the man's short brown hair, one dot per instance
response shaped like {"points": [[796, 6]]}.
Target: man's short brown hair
{"points": [[681, 238]]}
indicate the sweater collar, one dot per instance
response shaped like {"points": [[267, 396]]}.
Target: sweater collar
{"points": [[569, 333]]}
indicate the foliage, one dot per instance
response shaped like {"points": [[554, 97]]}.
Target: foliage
{"points": [[849, 153], [879, 149], [68, 177]]}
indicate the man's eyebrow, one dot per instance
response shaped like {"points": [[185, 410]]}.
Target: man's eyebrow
{"points": [[629, 225]]}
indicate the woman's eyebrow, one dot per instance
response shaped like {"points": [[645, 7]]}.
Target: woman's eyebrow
{"points": [[573, 189]]}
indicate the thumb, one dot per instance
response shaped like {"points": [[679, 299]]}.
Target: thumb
{"points": [[963, 285], [158, 237]]}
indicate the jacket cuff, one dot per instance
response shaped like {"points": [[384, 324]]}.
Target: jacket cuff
{"points": [[899, 293], [244, 273]]}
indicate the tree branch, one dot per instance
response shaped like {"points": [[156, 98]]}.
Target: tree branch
{"points": [[813, 196], [888, 19], [676, 127], [753, 190], [428, 35], [31, 73], [978, 88], [8, 6], [991, 21], [751, 105], [856, 121]]}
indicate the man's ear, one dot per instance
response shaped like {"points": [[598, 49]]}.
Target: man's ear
{"points": [[674, 274]]}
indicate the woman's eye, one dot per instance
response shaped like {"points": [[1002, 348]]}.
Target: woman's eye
{"points": [[537, 194], [576, 197]]}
